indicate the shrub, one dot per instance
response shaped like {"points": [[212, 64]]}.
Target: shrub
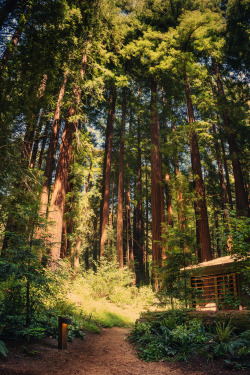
{"points": [[176, 337]]}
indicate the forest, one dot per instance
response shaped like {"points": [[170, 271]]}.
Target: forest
{"points": [[124, 149]]}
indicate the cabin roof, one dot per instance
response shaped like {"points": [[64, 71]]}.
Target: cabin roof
{"points": [[212, 263]]}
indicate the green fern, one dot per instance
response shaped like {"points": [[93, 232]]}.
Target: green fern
{"points": [[224, 332], [3, 349]]}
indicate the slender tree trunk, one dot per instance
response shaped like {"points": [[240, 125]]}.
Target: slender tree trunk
{"points": [[156, 179], [179, 195], [119, 241], [130, 255], [95, 243], [203, 226], [147, 244], [36, 142], [51, 154], [167, 176], [220, 171], [168, 201], [229, 190], [241, 196], [5, 11], [44, 140], [77, 251], [32, 125], [138, 239], [64, 244], [217, 236], [104, 218], [111, 219]]}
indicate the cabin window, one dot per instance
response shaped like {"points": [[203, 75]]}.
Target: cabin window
{"points": [[219, 291]]}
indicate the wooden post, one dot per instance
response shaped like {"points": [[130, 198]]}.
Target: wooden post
{"points": [[62, 331]]}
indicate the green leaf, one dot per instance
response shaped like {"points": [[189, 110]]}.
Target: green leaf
{"points": [[3, 349]]}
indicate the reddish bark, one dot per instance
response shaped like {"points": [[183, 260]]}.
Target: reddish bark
{"points": [[147, 230], [57, 203], [104, 217], [130, 255], [167, 176], [50, 160], [119, 241], [138, 234], [203, 226], [156, 178]]}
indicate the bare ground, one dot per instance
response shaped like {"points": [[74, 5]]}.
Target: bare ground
{"points": [[106, 354]]}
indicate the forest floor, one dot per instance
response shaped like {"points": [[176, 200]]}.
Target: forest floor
{"points": [[108, 353]]}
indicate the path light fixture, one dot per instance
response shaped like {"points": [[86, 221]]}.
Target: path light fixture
{"points": [[63, 322]]}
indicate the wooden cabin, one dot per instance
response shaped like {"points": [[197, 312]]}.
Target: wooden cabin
{"points": [[219, 283]]}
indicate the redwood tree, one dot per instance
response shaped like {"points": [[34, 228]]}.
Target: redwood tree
{"points": [[157, 203], [201, 206], [104, 217]]}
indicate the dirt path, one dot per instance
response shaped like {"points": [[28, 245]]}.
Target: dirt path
{"points": [[105, 354]]}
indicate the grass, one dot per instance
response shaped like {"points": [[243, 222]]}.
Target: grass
{"points": [[108, 311]]}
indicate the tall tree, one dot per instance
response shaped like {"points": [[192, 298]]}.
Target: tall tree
{"points": [[119, 241], [104, 218], [203, 226], [138, 233], [157, 203], [241, 196]]}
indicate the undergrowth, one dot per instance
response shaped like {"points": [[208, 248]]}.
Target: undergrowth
{"points": [[106, 298], [177, 338]]}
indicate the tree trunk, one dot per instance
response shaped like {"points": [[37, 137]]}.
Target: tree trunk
{"points": [[51, 154], [167, 176], [64, 244], [104, 218], [44, 140], [138, 239], [241, 196], [32, 125], [57, 203], [156, 179], [223, 188], [229, 190], [36, 142], [119, 241], [147, 245], [130, 255], [95, 243], [203, 226]]}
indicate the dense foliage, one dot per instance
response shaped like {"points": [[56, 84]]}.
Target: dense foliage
{"points": [[124, 143], [177, 337]]}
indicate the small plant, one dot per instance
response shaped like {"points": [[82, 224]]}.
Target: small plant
{"points": [[224, 332], [230, 301], [3, 349]]}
